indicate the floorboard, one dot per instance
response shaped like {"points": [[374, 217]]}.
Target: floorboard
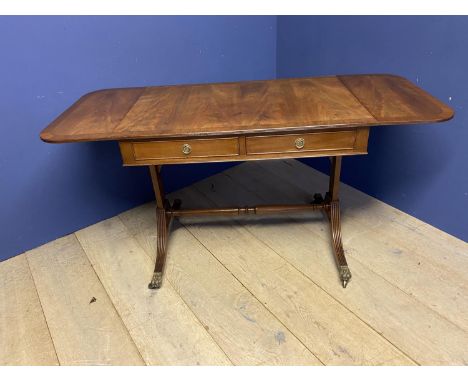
{"points": [[84, 325], [24, 335], [398, 318], [160, 323], [247, 332], [251, 290], [387, 240], [326, 327]]}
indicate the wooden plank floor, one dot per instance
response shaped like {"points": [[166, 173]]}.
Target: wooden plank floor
{"points": [[242, 291]]}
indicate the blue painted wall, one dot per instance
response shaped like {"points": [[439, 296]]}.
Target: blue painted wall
{"points": [[46, 63], [422, 170]]}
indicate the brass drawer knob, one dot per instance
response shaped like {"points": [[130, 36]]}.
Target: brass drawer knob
{"points": [[186, 148], [300, 142]]}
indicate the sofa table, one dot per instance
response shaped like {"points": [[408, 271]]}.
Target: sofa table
{"points": [[239, 121]]}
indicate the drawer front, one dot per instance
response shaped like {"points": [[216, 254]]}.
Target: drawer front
{"points": [[191, 148], [290, 143]]}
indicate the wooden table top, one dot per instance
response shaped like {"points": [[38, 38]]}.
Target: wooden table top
{"points": [[236, 108]]}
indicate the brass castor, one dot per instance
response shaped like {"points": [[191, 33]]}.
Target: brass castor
{"points": [[156, 281], [318, 199], [345, 275]]}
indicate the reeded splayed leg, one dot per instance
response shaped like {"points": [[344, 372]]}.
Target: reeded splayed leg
{"points": [[333, 213], [334, 216], [162, 233], [163, 222]]}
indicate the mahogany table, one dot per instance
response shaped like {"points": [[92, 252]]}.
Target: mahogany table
{"points": [[239, 121]]}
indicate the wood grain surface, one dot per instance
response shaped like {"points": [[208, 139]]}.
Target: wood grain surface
{"points": [[93, 116], [352, 141], [163, 328], [395, 259], [24, 336], [83, 323], [296, 301], [250, 107], [247, 332], [250, 290], [395, 100]]}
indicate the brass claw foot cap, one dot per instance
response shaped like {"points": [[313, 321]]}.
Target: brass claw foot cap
{"points": [[156, 281], [345, 275]]}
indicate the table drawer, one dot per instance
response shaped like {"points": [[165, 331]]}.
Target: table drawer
{"points": [[180, 149], [289, 143]]}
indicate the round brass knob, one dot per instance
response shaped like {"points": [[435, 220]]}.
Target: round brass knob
{"points": [[186, 148], [300, 142]]}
